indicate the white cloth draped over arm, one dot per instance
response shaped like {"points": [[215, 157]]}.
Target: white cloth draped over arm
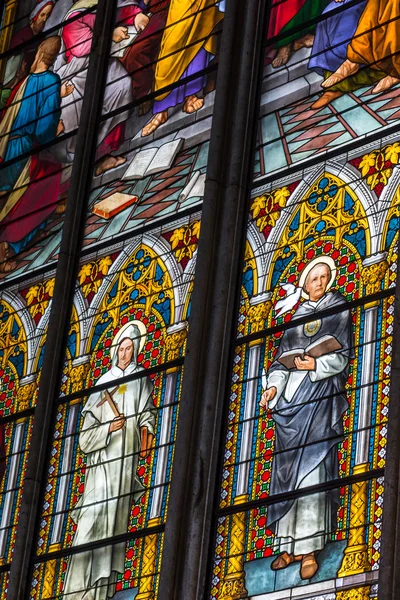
{"points": [[94, 435], [328, 365]]}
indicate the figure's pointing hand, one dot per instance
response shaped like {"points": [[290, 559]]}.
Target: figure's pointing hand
{"points": [[267, 396]]}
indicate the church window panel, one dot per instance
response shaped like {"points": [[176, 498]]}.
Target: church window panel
{"points": [[140, 557], [136, 178], [250, 451], [14, 442], [135, 476], [329, 79], [246, 548], [149, 280], [140, 289], [340, 220]]}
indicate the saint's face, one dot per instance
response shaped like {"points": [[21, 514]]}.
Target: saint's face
{"points": [[317, 281], [38, 24], [125, 353]]}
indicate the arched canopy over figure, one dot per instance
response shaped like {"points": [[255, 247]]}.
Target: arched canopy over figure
{"points": [[112, 442], [306, 390]]}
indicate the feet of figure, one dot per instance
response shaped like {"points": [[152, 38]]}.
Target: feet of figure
{"points": [[193, 104], [306, 41], [6, 262], [108, 162], [61, 207], [385, 84], [282, 57], [309, 566], [155, 122], [284, 560], [325, 99], [145, 107], [346, 69]]}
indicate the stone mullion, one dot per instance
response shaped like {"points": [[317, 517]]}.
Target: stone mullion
{"points": [[188, 541], [61, 308]]}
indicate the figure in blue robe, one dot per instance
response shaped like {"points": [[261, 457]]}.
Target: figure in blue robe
{"points": [[35, 124]]}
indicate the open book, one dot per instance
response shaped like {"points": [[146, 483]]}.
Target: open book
{"points": [[153, 160], [324, 345]]}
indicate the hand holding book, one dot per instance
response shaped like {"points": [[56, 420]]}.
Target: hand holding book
{"points": [[298, 358]]}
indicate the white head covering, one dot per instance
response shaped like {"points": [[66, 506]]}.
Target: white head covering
{"points": [[39, 6], [293, 293], [135, 331]]}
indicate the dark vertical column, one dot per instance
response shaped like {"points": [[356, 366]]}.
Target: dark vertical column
{"points": [[62, 301], [389, 570], [218, 270]]}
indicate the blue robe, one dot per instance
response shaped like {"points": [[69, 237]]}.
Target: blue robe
{"points": [[333, 35], [35, 124], [309, 428]]}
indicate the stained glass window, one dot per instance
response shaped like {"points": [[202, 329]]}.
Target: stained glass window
{"points": [[302, 485], [107, 135]]}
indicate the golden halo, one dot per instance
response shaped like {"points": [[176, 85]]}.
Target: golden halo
{"points": [[120, 336], [326, 260]]}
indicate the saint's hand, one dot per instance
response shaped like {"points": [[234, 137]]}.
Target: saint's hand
{"points": [[119, 34], [117, 424], [60, 127], [141, 21], [66, 89], [306, 363], [267, 396]]}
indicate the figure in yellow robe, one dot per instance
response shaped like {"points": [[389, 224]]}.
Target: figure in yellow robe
{"points": [[186, 48], [376, 44]]}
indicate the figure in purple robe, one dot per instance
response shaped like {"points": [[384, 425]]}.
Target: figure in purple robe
{"points": [[332, 37]]}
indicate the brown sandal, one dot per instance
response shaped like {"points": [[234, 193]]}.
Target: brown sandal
{"points": [[282, 561], [309, 566]]}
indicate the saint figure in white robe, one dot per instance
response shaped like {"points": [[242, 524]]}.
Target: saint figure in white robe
{"points": [[115, 432], [308, 400]]}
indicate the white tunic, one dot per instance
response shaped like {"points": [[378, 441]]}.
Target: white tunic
{"points": [[111, 484]]}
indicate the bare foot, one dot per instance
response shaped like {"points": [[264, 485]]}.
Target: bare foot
{"points": [[385, 83], [109, 162], [282, 57], [61, 207], [193, 104], [346, 69], [6, 264], [304, 42], [155, 122], [325, 99]]}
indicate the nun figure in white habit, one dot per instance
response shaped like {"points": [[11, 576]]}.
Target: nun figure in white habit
{"points": [[118, 426]]}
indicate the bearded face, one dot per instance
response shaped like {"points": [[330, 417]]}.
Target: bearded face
{"points": [[38, 23]]}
